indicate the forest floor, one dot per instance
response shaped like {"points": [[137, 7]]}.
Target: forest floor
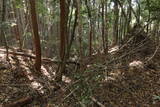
{"points": [[127, 77]]}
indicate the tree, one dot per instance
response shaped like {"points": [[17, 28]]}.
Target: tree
{"points": [[116, 20], [129, 14], [73, 30], [87, 3], [79, 27], [36, 35], [2, 29], [63, 32], [106, 26], [16, 26], [103, 26], [138, 11]]}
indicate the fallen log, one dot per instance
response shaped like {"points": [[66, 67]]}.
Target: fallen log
{"points": [[32, 56], [19, 103]]}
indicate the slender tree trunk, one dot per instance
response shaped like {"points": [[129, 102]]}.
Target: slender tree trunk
{"points": [[73, 32], [129, 16], [16, 27], [91, 27], [3, 30], [116, 20], [90, 39], [63, 33], [79, 29], [148, 6], [138, 11], [36, 35], [62, 28], [103, 26], [106, 27]]}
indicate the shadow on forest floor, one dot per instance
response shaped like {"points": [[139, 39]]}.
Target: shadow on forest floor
{"points": [[129, 76]]}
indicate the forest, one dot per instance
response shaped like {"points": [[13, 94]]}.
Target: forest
{"points": [[79, 53]]}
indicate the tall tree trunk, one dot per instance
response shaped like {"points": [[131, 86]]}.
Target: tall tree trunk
{"points": [[116, 20], [90, 27], [138, 11], [90, 38], [63, 33], [129, 16], [16, 27], [36, 35], [79, 29], [121, 28], [3, 30], [73, 30], [103, 26], [106, 27], [149, 14]]}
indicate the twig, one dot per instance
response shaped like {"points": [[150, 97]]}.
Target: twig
{"points": [[97, 102], [154, 53], [15, 84], [70, 93]]}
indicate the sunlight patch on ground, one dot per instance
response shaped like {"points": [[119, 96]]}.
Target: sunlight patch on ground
{"points": [[37, 86], [113, 49], [136, 64], [28, 73], [34, 84], [45, 72], [112, 76], [66, 79], [88, 66], [108, 78], [2, 55]]}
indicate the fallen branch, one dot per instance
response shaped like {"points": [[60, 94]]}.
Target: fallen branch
{"points": [[149, 59], [19, 103], [45, 60], [97, 102], [71, 93]]}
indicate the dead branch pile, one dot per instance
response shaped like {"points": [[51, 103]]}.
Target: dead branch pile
{"points": [[139, 46]]}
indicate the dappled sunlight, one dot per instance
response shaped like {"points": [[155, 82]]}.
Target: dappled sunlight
{"points": [[113, 49], [136, 64], [34, 83], [45, 72], [37, 86], [79, 53], [2, 55], [108, 78], [112, 76], [66, 79]]}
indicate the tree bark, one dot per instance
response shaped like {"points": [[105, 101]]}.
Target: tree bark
{"points": [[2, 30], [63, 32], [106, 26], [103, 26], [73, 31], [16, 27], [116, 20], [91, 27], [36, 35]]}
